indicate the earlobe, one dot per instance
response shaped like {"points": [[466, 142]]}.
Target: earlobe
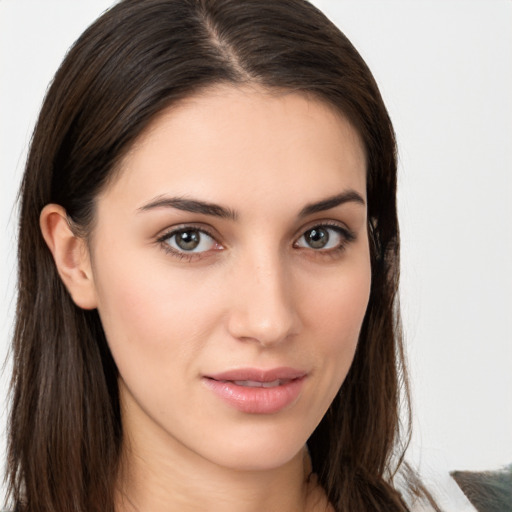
{"points": [[70, 254]]}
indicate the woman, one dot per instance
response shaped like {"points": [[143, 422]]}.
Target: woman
{"points": [[208, 267]]}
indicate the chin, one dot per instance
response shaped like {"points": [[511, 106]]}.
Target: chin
{"points": [[251, 459], [257, 447]]}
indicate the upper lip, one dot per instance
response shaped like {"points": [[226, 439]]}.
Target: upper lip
{"points": [[258, 375]]}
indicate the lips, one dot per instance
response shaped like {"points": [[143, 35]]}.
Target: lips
{"points": [[256, 391]]}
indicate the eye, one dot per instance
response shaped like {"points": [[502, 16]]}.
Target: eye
{"points": [[189, 240], [324, 238]]}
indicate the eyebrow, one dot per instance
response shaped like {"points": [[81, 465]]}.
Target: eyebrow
{"points": [[190, 205], [349, 196], [215, 210]]}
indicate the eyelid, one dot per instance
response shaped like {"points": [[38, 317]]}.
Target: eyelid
{"points": [[326, 223], [162, 238], [172, 230], [346, 233]]}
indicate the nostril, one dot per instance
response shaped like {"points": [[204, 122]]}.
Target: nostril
{"points": [[264, 331]]}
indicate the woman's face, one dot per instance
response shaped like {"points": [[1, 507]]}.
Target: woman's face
{"points": [[231, 273]]}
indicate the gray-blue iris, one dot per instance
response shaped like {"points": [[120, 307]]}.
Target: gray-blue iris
{"points": [[188, 240], [317, 238]]}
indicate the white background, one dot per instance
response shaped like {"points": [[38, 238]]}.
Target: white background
{"points": [[445, 71]]}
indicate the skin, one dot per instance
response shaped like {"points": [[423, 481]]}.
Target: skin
{"points": [[255, 293]]}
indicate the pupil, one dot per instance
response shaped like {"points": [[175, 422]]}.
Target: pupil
{"points": [[317, 238], [188, 240]]}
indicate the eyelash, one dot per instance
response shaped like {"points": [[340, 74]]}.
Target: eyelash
{"points": [[184, 255], [346, 235]]}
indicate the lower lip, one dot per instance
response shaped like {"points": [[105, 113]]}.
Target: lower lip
{"points": [[256, 400]]}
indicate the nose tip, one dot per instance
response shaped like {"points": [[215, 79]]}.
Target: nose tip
{"points": [[263, 309], [261, 329]]}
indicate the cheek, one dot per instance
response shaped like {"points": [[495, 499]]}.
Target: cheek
{"points": [[150, 319], [335, 316], [156, 324], [338, 303]]}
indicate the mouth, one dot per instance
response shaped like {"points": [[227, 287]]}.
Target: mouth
{"points": [[257, 384], [248, 376], [256, 391]]}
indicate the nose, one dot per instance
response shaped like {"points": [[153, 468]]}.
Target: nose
{"points": [[263, 307]]}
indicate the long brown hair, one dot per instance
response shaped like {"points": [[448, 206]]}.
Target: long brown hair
{"points": [[141, 56]]}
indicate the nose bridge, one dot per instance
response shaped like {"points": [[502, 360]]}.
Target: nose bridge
{"points": [[263, 308]]}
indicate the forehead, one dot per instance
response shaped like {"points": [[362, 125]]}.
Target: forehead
{"points": [[256, 142]]}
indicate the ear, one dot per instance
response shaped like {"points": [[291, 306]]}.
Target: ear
{"points": [[70, 254]]}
